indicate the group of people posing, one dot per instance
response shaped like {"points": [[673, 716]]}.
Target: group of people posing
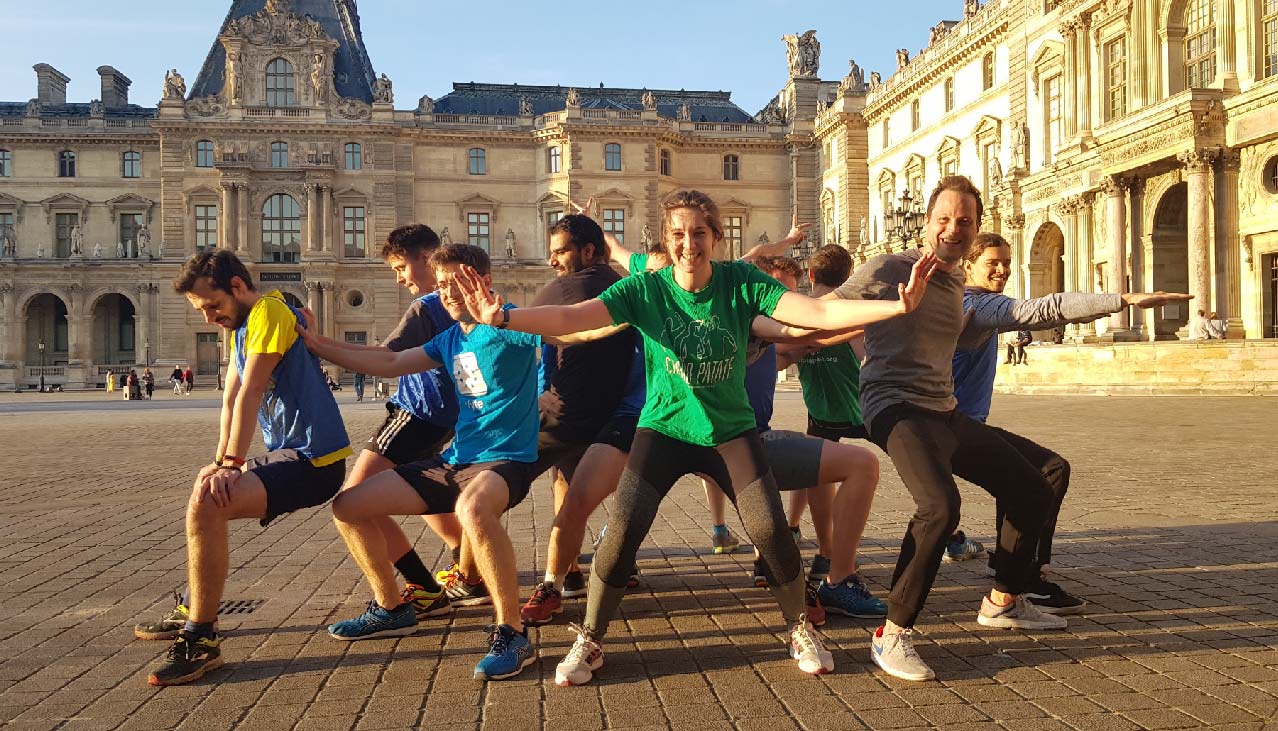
{"points": [[644, 379]]}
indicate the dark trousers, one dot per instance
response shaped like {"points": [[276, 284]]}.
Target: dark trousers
{"points": [[1055, 469], [928, 448]]}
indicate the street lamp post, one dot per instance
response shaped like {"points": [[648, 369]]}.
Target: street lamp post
{"points": [[147, 346], [906, 222], [40, 345]]}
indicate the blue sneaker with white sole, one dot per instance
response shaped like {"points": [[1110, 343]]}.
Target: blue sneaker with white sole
{"points": [[377, 622], [509, 652]]}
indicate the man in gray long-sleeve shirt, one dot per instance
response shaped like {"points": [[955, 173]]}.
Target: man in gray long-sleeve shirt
{"points": [[907, 397], [987, 265]]}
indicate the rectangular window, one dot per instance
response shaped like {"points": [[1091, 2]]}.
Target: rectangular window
{"points": [[6, 164], [63, 223], [949, 167], [887, 140], [353, 231], [356, 338], [205, 227], [1116, 77], [477, 161], [477, 230], [554, 159], [7, 232], [1052, 113], [131, 165], [130, 223], [612, 156], [614, 222], [989, 154], [949, 94], [915, 116], [665, 162], [733, 234], [204, 154], [1269, 38]]}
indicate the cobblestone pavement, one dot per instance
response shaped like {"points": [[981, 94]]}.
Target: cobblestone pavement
{"points": [[1169, 531]]}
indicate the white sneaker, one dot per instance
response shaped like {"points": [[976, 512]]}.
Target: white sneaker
{"points": [[895, 654], [579, 666], [1019, 614], [806, 647]]}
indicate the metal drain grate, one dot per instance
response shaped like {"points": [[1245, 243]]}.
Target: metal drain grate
{"points": [[240, 606]]}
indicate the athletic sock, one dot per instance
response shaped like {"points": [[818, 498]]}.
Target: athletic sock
{"points": [[721, 529], [556, 579], [456, 551], [199, 629], [414, 571]]}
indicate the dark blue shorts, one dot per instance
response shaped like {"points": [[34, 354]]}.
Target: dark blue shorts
{"points": [[293, 483]]}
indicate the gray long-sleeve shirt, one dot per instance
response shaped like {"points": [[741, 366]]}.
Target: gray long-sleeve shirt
{"points": [[989, 313]]}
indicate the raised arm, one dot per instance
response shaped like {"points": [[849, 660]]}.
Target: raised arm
{"points": [[798, 232], [837, 314], [373, 361], [313, 327], [588, 336], [486, 307], [991, 311]]}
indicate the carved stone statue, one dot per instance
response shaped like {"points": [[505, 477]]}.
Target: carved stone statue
{"points": [[647, 235], [8, 246], [96, 108], [864, 231], [803, 54], [876, 79], [40, 252], [970, 7], [144, 242], [319, 65], [119, 249], [444, 237], [525, 107], [573, 100], [902, 58], [936, 33], [684, 114], [234, 76], [426, 105], [511, 250], [275, 7], [174, 85], [649, 101], [77, 241], [763, 238], [33, 108], [383, 91], [97, 250], [996, 171], [856, 74], [1020, 146]]}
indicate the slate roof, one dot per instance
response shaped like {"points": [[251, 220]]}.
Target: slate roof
{"points": [[503, 99], [352, 69], [76, 109]]}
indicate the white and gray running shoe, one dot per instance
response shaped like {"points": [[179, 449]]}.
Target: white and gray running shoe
{"points": [[895, 654], [807, 648], [1020, 613]]}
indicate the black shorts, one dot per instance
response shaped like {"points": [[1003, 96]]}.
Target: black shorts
{"points": [[795, 459], [293, 483], [834, 431], [553, 451], [440, 484], [619, 432], [405, 438]]}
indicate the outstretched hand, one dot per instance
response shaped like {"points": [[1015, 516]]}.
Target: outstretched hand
{"points": [[585, 211], [483, 304], [798, 231], [911, 294], [1155, 299]]}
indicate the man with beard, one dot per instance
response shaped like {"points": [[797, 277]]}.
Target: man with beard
{"points": [[907, 397], [277, 383]]}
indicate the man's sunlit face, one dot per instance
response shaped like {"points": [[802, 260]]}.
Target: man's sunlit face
{"points": [[414, 273], [218, 307], [990, 270], [689, 239], [952, 226], [564, 257], [448, 278]]}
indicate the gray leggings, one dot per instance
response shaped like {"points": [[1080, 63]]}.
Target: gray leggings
{"points": [[656, 462]]}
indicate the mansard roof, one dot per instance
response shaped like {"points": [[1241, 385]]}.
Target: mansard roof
{"points": [[76, 109], [352, 69], [503, 99]]}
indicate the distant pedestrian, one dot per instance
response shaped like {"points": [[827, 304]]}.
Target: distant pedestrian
{"points": [[176, 379], [135, 387], [188, 380], [110, 384], [148, 382], [1023, 338], [359, 386]]}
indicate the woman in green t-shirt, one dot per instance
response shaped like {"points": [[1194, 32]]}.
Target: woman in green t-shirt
{"points": [[695, 317]]}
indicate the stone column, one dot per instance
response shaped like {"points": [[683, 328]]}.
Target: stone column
{"points": [[229, 224], [1069, 209], [1226, 45], [1228, 267], [326, 197], [1116, 226], [329, 322], [79, 327], [1136, 49], [1083, 56], [1198, 165], [142, 324], [1085, 271], [312, 218], [1069, 103], [242, 222], [1014, 227], [312, 299], [9, 332]]}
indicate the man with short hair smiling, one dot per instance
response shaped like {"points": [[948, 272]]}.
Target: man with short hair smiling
{"points": [[907, 396], [276, 383]]}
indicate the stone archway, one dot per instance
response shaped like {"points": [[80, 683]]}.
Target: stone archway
{"points": [[1167, 261], [1046, 266], [114, 335], [45, 316]]}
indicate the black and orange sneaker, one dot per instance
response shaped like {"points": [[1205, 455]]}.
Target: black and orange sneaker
{"points": [[166, 627], [425, 604]]}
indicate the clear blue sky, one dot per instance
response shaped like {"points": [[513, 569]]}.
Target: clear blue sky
{"points": [[424, 45]]}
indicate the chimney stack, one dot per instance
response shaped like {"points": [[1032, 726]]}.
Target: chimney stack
{"points": [[51, 85], [115, 87]]}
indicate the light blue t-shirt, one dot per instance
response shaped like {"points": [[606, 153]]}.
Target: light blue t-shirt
{"points": [[495, 374]]}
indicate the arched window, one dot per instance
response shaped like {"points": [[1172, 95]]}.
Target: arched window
{"points": [[1200, 43], [915, 116], [731, 167], [987, 71], [477, 161], [279, 154], [612, 156], [204, 154], [354, 156], [131, 165], [280, 84], [554, 159], [66, 164], [281, 229], [665, 161], [6, 164]]}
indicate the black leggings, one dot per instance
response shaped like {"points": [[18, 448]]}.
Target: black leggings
{"points": [[739, 468]]}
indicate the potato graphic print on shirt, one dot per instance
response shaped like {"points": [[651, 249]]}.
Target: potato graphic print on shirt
{"points": [[467, 375], [705, 351]]}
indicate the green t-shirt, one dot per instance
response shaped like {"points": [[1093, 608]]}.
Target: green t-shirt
{"points": [[831, 381], [695, 347], [638, 263]]}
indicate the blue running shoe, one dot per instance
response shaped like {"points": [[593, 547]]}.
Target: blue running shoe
{"points": [[376, 622], [962, 548], [851, 599], [509, 652]]}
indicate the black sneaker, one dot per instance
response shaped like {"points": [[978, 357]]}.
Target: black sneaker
{"points": [[465, 594], [167, 627], [574, 585], [190, 657], [760, 577], [633, 581], [819, 571], [1052, 599]]}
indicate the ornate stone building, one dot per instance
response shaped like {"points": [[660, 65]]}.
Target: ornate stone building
{"points": [[291, 151]]}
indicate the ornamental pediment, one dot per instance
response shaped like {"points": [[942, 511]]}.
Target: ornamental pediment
{"points": [[276, 25], [65, 202]]}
